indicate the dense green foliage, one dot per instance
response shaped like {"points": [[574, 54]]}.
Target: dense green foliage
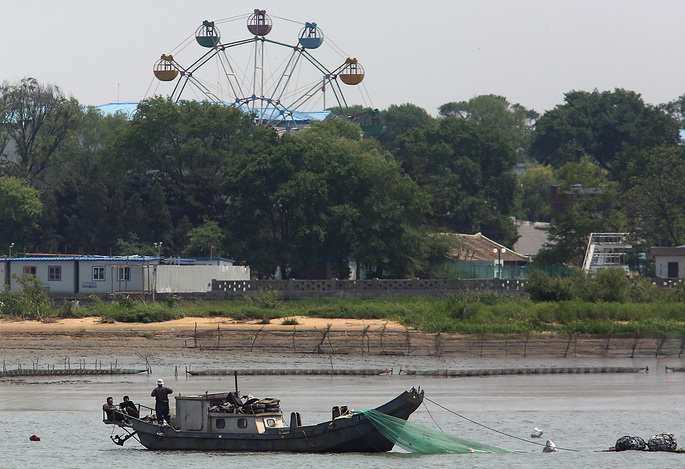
{"points": [[323, 194], [41, 125], [600, 125], [28, 303], [617, 161], [20, 210], [462, 313], [496, 112], [202, 178], [606, 304]]}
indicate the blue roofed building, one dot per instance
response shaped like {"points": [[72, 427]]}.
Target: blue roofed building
{"points": [[140, 274], [294, 120]]}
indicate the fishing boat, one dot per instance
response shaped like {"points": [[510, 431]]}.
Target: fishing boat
{"points": [[229, 422]]}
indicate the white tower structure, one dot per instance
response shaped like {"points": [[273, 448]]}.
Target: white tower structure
{"points": [[606, 250]]}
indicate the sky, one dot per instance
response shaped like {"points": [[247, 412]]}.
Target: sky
{"points": [[422, 52]]}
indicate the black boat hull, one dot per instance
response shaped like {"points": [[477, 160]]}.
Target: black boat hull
{"points": [[351, 433]]}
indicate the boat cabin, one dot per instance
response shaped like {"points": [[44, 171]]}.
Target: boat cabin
{"points": [[226, 413]]}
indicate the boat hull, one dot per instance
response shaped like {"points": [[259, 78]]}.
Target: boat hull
{"points": [[349, 433]]}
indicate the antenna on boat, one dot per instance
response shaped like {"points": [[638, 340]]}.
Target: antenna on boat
{"points": [[235, 377]]}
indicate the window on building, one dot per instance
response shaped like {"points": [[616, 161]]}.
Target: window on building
{"points": [[124, 274], [30, 269], [98, 273], [54, 273], [673, 270]]}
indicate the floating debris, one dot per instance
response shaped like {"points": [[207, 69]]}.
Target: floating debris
{"points": [[630, 443], [550, 447], [661, 442]]}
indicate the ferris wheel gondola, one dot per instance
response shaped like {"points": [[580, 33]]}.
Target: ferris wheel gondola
{"points": [[311, 37], [208, 35], [284, 95], [165, 69], [351, 72], [259, 23]]}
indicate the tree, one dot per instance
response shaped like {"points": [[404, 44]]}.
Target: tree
{"points": [[655, 201], [322, 195], [205, 238], [600, 125], [496, 111], [466, 169], [85, 202], [676, 109], [39, 120], [20, 210], [92, 145], [587, 202], [400, 119], [175, 156], [536, 183]]}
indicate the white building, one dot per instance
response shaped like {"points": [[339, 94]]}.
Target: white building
{"points": [[669, 262], [94, 274]]}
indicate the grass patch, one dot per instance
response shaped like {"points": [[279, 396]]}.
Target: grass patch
{"points": [[462, 312]]}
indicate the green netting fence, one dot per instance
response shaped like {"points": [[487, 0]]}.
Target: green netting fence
{"points": [[417, 438]]}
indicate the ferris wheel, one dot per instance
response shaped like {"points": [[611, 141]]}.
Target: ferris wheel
{"points": [[283, 85]]}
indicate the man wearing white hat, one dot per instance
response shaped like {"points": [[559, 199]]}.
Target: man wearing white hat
{"points": [[161, 395]]}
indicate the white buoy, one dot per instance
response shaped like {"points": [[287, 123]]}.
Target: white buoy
{"points": [[537, 433], [550, 447]]}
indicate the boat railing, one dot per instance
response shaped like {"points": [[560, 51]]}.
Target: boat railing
{"points": [[119, 417], [113, 416], [141, 408]]}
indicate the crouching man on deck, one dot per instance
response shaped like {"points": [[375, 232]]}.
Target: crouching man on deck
{"points": [[128, 407], [111, 410], [161, 395]]}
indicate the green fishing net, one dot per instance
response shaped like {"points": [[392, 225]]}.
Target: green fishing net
{"points": [[416, 438]]}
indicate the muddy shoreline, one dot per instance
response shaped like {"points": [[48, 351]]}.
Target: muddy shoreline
{"points": [[195, 338]]}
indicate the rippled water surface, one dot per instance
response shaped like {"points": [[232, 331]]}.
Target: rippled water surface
{"points": [[581, 412]]}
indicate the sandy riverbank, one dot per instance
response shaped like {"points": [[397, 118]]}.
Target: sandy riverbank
{"points": [[189, 339], [208, 337], [95, 325]]}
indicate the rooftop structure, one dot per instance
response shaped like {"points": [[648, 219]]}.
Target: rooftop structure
{"points": [[605, 250]]}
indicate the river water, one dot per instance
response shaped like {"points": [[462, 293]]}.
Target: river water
{"points": [[585, 413]]}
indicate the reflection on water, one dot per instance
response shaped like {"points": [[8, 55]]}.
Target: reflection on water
{"points": [[587, 413]]}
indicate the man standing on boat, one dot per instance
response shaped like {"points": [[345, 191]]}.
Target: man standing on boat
{"points": [[161, 395]]}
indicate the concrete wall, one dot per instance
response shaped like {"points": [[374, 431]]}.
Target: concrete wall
{"points": [[196, 278], [292, 289]]}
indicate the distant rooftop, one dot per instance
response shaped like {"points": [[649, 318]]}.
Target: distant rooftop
{"points": [[477, 247], [130, 108]]}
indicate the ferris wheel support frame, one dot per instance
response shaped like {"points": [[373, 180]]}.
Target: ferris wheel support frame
{"points": [[278, 109]]}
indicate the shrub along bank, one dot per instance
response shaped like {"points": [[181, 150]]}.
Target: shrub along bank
{"points": [[607, 303]]}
